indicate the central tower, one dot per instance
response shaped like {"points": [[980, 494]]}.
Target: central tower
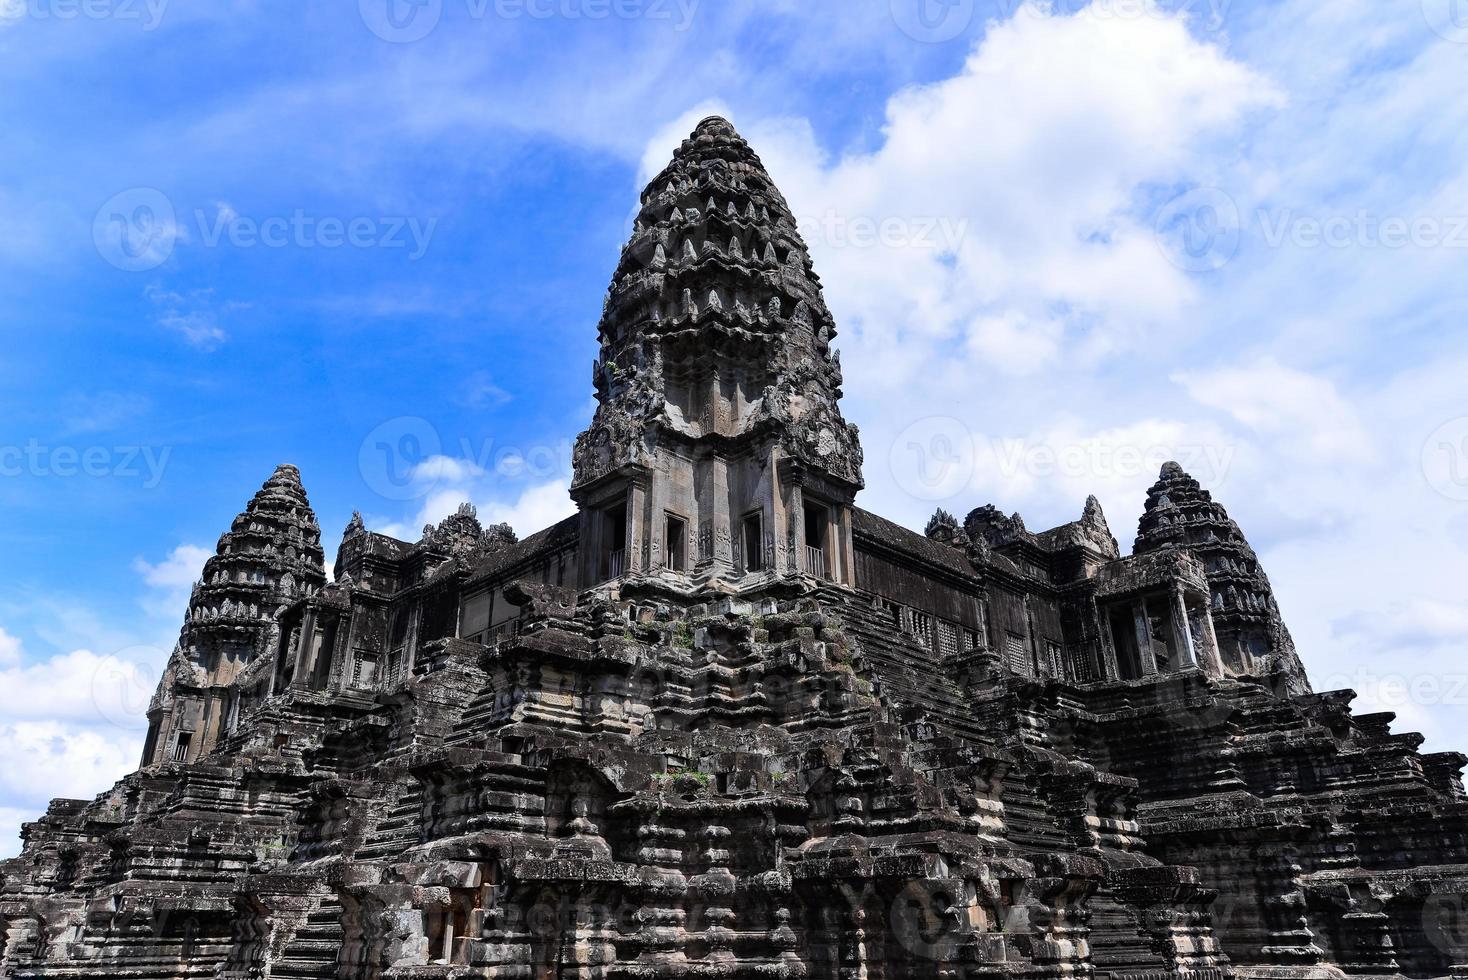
{"points": [[718, 457]]}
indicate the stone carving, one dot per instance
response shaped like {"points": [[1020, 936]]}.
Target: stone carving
{"points": [[757, 312], [988, 753], [460, 535]]}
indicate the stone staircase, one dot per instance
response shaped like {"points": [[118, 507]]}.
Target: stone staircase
{"points": [[399, 828], [312, 952], [911, 674]]}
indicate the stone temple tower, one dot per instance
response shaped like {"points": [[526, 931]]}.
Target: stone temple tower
{"points": [[270, 556], [1252, 638], [718, 457]]}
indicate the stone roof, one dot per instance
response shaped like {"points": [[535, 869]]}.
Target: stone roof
{"points": [[893, 535]]}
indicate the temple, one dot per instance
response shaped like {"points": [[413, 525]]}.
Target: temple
{"points": [[723, 722]]}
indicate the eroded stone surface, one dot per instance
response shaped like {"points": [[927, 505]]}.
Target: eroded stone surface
{"points": [[724, 723]]}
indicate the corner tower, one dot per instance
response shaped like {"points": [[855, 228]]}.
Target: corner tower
{"points": [[1252, 637], [270, 556], [718, 457]]}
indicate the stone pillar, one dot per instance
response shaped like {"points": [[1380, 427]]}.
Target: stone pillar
{"points": [[1147, 659], [776, 515], [844, 548], [1110, 668], [212, 722], [1213, 656], [795, 528], [719, 562], [1182, 635], [304, 643], [636, 533], [342, 656]]}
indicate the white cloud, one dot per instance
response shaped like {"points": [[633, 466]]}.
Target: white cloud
{"points": [[1417, 621], [194, 316], [84, 687], [480, 392], [72, 723], [1303, 380], [9, 649], [497, 497], [537, 508], [534, 508], [1033, 158], [181, 569], [46, 760], [171, 580], [70, 726], [1304, 410]]}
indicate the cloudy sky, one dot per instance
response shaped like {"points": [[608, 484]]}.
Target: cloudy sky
{"points": [[1063, 243]]}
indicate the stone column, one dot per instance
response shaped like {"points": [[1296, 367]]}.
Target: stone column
{"points": [[637, 532], [1182, 635], [410, 642], [1144, 638], [844, 549], [795, 527], [1213, 655], [719, 563], [307, 638], [776, 514], [1110, 668]]}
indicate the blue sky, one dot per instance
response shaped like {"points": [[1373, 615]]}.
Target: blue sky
{"points": [[1063, 243]]}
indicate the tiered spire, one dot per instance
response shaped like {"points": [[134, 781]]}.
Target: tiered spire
{"points": [[1252, 637], [270, 556], [714, 324]]}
